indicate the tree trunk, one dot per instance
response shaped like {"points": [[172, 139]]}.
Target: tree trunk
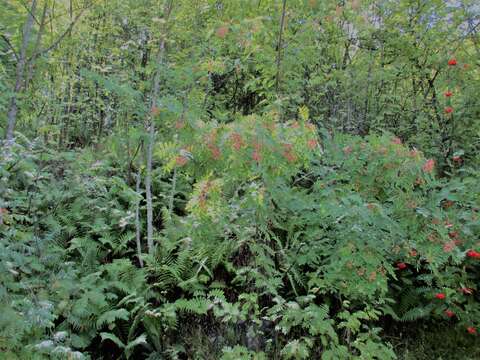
{"points": [[20, 73], [38, 41], [279, 46], [151, 131], [137, 220], [148, 187]]}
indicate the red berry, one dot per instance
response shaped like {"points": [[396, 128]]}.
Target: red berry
{"points": [[448, 93], [290, 156], [471, 330], [401, 266], [448, 110], [256, 156], [214, 150], [154, 111], [449, 313], [449, 246], [466, 291], [473, 254], [440, 296], [429, 165], [453, 234], [181, 160], [452, 62], [179, 124], [237, 141], [222, 32], [312, 144]]}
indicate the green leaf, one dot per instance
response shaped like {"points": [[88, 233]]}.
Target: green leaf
{"points": [[142, 339], [110, 316], [113, 338]]}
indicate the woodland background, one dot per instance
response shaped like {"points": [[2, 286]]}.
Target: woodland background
{"points": [[241, 179]]}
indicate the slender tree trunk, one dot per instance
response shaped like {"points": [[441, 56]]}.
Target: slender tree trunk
{"points": [[38, 41], [70, 12], [137, 220], [279, 46], [20, 73], [151, 131], [171, 201], [148, 188], [414, 105], [364, 125]]}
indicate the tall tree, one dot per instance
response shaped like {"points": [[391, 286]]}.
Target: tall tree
{"points": [[279, 45], [20, 72], [151, 131]]}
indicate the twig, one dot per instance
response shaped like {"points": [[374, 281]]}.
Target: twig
{"points": [[59, 40]]}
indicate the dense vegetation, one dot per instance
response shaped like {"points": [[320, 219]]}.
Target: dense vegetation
{"points": [[213, 179]]}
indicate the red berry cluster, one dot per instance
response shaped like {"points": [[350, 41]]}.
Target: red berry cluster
{"points": [[312, 144], [237, 141], [452, 62], [428, 166], [448, 93], [181, 160], [288, 153], [214, 151], [449, 109], [211, 145], [256, 155]]}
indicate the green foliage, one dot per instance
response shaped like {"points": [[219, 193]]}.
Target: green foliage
{"points": [[289, 220], [285, 244], [56, 219]]}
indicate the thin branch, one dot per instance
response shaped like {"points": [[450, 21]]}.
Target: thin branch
{"points": [[10, 46], [29, 12], [59, 40]]}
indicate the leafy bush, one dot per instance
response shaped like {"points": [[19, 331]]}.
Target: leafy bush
{"points": [[286, 244]]}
